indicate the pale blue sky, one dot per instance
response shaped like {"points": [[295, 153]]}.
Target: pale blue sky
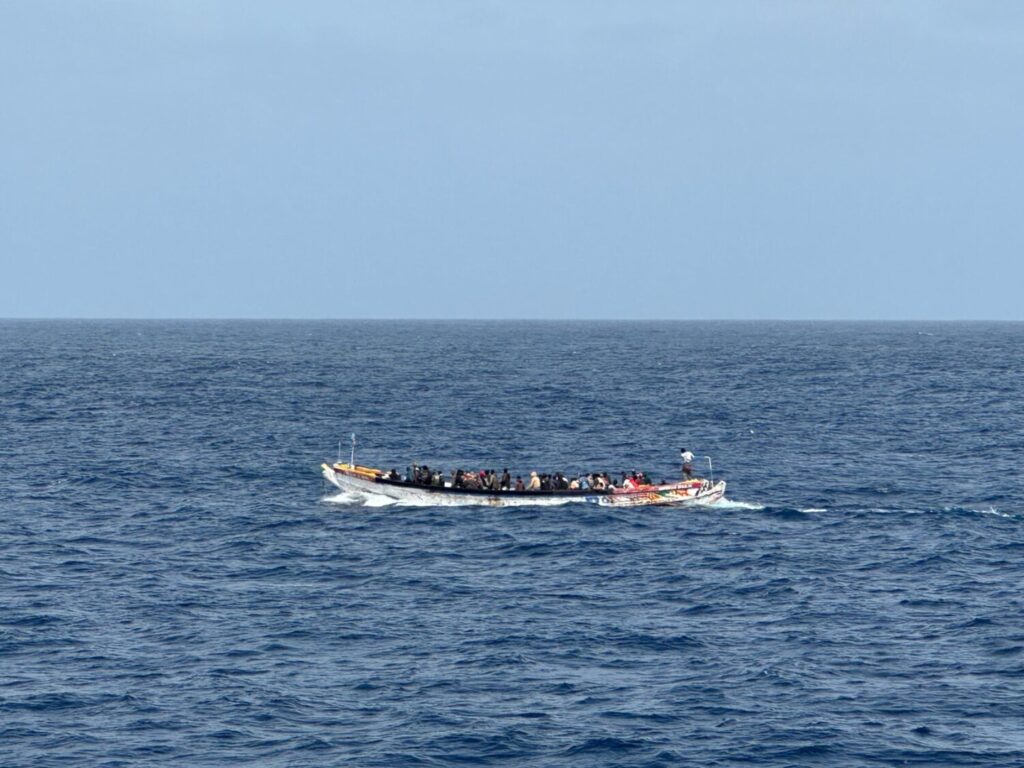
{"points": [[805, 160]]}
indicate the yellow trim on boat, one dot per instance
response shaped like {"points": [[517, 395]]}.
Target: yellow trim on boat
{"points": [[368, 472]]}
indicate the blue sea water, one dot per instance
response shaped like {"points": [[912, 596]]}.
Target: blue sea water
{"points": [[178, 585]]}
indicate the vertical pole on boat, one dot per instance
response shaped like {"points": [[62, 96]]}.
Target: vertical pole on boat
{"points": [[352, 461], [339, 451], [711, 471]]}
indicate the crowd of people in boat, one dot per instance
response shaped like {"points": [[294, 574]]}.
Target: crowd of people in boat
{"points": [[490, 480]]}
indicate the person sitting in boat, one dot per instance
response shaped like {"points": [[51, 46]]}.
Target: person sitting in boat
{"points": [[534, 482], [628, 482], [519, 483]]}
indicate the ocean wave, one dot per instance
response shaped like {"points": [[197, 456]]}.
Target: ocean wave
{"points": [[178, 588]]}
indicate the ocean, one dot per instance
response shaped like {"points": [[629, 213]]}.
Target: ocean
{"points": [[179, 586]]}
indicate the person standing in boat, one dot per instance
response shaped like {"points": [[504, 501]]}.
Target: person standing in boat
{"points": [[506, 480], [687, 458]]}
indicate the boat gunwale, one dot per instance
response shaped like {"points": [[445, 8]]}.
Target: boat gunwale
{"points": [[567, 493]]}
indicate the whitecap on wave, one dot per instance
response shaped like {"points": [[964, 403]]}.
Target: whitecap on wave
{"points": [[993, 511], [980, 511]]}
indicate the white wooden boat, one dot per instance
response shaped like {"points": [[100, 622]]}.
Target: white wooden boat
{"points": [[354, 478]]}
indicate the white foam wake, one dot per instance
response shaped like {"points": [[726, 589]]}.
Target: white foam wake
{"points": [[368, 499], [360, 499], [726, 503]]}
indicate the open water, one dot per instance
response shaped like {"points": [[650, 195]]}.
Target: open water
{"points": [[178, 586]]}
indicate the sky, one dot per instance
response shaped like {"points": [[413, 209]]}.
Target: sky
{"points": [[573, 159]]}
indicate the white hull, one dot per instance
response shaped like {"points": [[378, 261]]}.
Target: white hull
{"points": [[676, 494]]}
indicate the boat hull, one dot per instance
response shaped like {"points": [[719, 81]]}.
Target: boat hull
{"points": [[365, 480]]}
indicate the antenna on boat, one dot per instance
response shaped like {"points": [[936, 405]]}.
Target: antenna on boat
{"points": [[711, 471], [352, 461], [339, 451]]}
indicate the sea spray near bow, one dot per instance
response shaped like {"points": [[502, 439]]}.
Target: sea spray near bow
{"points": [[179, 585]]}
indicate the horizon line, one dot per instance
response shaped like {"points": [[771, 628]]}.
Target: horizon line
{"points": [[511, 319]]}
